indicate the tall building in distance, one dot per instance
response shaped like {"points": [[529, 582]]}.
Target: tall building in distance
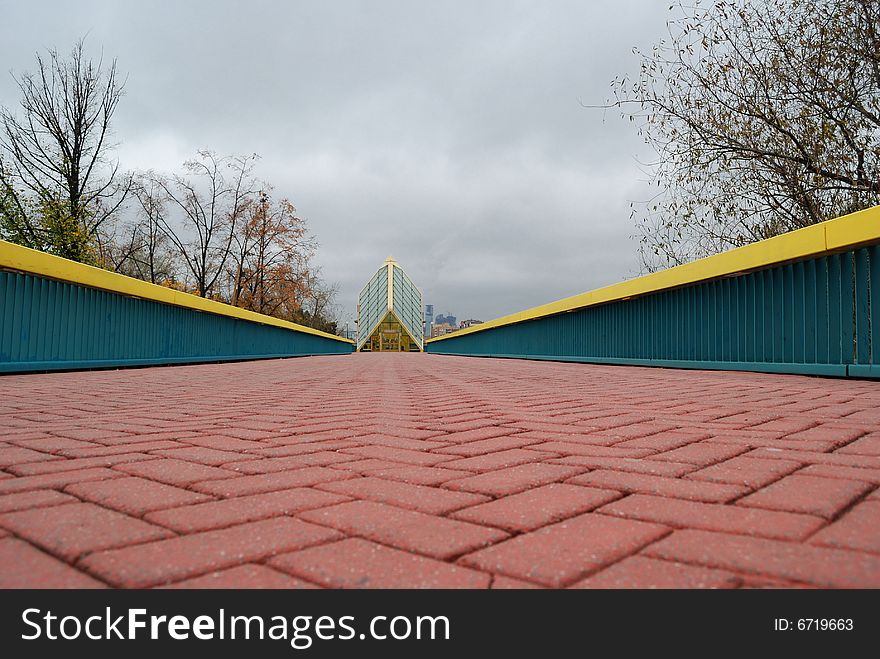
{"points": [[429, 319], [390, 312], [448, 319]]}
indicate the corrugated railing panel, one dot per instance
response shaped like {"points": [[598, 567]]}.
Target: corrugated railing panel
{"points": [[874, 260], [50, 325], [847, 309], [862, 301], [817, 315]]}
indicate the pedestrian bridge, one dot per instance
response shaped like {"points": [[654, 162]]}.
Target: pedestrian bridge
{"points": [[545, 464], [806, 302]]}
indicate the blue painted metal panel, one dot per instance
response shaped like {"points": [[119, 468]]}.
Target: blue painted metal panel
{"points": [[52, 325], [816, 316], [874, 301], [837, 370]]}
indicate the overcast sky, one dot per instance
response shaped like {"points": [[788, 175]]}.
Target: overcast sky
{"points": [[449, 134]]}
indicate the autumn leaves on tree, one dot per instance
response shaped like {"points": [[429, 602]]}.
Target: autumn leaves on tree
{"points": [[765, 117], [213, 229]]}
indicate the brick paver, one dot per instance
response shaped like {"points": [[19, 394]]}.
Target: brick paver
{"points": [[641, 572], [561, 553], [357, 563], [858, 529], [537, 507], [430, 535], [157, 563], [375, 471], [824, 497], [133, 495], [73, 529], [244, 576], [24, 566]]}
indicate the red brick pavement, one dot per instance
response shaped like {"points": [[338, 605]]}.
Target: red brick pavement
{"points": [[431, 471]]}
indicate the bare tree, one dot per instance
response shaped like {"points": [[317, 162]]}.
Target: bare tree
{"points": [[211, 203], [55, 174], [766, 118], [318, 308], [143, 250], [156, 261]]}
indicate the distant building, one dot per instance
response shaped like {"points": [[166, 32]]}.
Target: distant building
{"points": [[429, 318], [390, 313], [440, 329], [469, 323], [446, 320]]}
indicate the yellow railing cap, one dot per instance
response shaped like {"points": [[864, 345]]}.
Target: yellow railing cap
{"points": [[24, 259], [842, 233]]}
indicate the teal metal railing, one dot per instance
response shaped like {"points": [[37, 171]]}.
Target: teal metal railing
{"points": [[817, 315], [47, 324]]}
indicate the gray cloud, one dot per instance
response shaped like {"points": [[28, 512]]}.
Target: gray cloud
{"points": [[448, 134]]}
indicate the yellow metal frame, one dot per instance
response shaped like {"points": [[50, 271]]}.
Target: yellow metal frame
{"points": [[839, 234], [24, 259], [389, 312], [390, 264]]}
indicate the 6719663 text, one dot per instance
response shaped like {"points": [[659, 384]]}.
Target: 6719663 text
{"points": [[813, 624]]}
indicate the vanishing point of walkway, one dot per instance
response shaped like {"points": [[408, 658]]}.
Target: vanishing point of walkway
{"points": [[413, 470]]}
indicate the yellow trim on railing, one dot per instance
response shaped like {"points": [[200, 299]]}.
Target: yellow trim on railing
{"points": [[834, 235], [24, 259]]}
